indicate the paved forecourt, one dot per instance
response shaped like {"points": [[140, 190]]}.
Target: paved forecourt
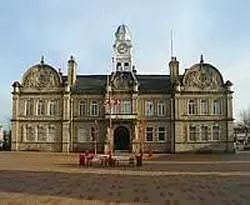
{"points": [[55, 178]]}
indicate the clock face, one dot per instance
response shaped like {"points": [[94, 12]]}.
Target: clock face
{"points": [[122, 48]]}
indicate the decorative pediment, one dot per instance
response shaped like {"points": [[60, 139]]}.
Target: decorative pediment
{"points": [[41, 77], [203, 76]]}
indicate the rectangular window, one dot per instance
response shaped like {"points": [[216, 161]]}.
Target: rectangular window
{"points": [[82, 135], [192, 133], [52, 108], [28, 107], [203, 107], [149, 108], [82, 108], [161, 133], [191, 107], [126, 107], [204, 132], [149, 134], [161, 109], [94, 108], [41, 134], [216, 132], [30, 134], [52, 134], [40, 108], [216, 107]]}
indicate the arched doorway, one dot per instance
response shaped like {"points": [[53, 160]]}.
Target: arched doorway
{"points": [[121, 138]]}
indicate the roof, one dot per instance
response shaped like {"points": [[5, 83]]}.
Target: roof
{"points": [[154, 83], [89, 84], [96, 84]]}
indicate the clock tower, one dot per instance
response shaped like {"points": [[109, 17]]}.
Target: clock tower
{"points": [[122, 49]]}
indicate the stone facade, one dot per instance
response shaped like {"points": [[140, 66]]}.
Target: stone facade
{"points": [[122, 110]]}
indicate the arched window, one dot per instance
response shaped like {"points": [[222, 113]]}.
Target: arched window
{"points": [[118, 66], [126, 66]]}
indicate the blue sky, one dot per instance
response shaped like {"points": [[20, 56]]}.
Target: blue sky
{"points": [[85, 28]]}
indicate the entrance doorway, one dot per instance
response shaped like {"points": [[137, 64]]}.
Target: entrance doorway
{"points": [[121, 138]]}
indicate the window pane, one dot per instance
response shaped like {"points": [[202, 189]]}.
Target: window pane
{"points": [[52, 134], [82, 135], [216, 107], [41, 134], [28, 107], [82, 108], [149, 110], [126, 107], [94, 108], [30, 134], [192, 133], [161, 109], [52, 108], [161, 133], [191, 107], [203, 107], [216, 133], [40, 108], [204, 133], [149, 134]]}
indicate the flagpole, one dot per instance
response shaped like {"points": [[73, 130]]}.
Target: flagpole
{"points": [[95, 134], [110, 123]]}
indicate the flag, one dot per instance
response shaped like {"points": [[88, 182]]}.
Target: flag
{"points": [[111, 102]]}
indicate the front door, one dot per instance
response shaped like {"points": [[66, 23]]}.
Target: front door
{"points": [[121, 138]]}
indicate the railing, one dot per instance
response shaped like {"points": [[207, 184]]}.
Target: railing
{"points": [[121, 116]]}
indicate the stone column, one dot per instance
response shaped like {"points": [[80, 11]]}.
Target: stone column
{"points": [[65, 138], [136, 140], [134, 103], [15, 125], [172, 125], [229, 122]]}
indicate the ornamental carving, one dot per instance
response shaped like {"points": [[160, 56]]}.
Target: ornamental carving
{"points": [[41, 78], [203, 77], [121, 82]]}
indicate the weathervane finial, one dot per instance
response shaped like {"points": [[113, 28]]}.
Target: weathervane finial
{"points": [[42, 59], [201, 60]]}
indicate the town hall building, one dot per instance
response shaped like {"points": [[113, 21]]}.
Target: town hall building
{"points": [[122, 110]]}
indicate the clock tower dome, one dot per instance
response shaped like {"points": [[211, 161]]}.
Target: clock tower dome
{"points": [[122, 49]]}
